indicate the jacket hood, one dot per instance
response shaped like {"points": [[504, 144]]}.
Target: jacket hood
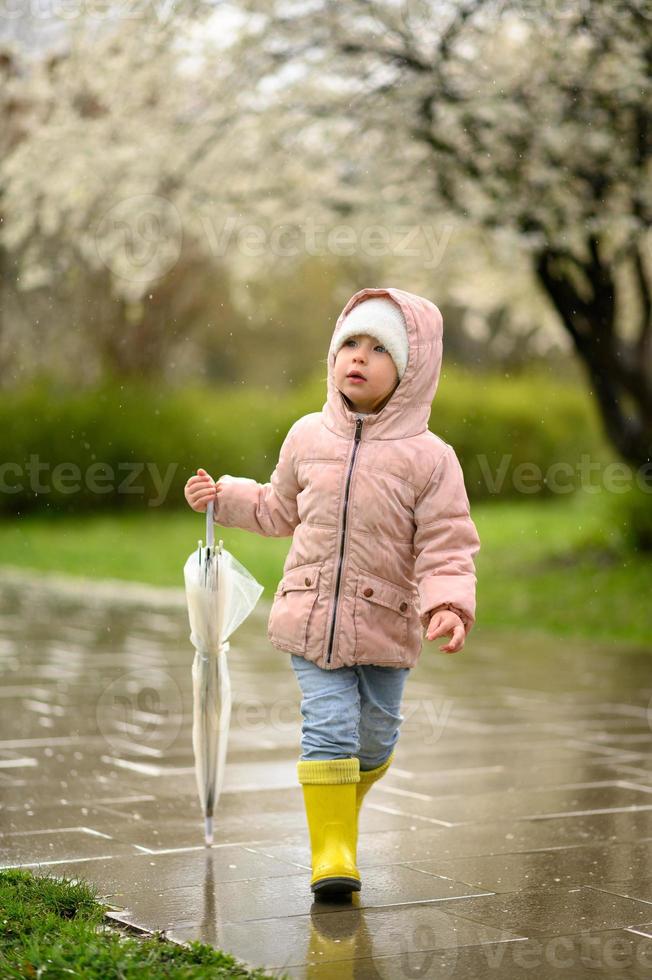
{"points": [[408, 410]]}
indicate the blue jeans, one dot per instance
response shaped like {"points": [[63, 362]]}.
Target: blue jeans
{"points": [[350, 711]]}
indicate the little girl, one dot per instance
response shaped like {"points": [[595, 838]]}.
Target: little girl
{"points": [[383, 547]]}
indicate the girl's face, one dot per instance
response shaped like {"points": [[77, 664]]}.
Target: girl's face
{"points": [[365, 356]]}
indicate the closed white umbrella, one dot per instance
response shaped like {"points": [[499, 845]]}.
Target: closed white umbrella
{"points": [[220, 593]]}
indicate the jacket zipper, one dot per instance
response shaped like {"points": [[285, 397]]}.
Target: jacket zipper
{"points": [[356, 443]]}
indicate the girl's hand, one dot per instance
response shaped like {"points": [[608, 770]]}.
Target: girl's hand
{"points": [[444, 623], [201, 489]]}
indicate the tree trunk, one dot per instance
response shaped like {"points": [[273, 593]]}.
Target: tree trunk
{"points": [[619, 370]]}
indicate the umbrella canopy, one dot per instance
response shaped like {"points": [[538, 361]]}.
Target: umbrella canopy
{"points": [[220, 593]]}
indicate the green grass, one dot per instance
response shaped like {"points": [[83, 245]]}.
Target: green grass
{"points": [[149, 546], [54, 928], [560, 567], [556, 565]]}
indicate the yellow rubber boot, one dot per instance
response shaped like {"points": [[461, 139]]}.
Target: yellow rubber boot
{"points": [[367, 778], [329, 795]]}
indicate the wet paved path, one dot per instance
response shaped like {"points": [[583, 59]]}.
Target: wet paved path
{"points": [[512, 838]]}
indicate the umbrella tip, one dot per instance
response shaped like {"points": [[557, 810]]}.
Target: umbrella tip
{"points": [[208, 830]]}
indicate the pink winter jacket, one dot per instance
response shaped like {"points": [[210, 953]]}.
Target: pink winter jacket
{"points": [[378, 512]]}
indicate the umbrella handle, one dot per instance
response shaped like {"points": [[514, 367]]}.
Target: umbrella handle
{"points": [[210, 527]]}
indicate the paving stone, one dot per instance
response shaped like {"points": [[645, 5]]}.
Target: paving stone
{"points": [[556, 910], [512, 836], [360, 933], [611, 954], [597, 865]]}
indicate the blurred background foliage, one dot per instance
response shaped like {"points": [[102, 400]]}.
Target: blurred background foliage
{"points": [[492, 420], [185, 209]]}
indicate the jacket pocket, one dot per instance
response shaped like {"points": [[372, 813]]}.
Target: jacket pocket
{"points": [[381, 616], [293, 603]]}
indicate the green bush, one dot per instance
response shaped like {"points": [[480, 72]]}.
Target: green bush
{"points": [[133, 432], [629, 515], [140, 443], [520, 426]]}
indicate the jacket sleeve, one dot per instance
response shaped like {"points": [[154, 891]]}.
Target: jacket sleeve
{"points": [[270, 508], [445, 543]]}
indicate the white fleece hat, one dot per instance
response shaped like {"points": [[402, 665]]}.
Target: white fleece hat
{"points": [[382, 318]]}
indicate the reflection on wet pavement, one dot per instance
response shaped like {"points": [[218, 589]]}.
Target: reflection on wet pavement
{"points": [[512, 837]]}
